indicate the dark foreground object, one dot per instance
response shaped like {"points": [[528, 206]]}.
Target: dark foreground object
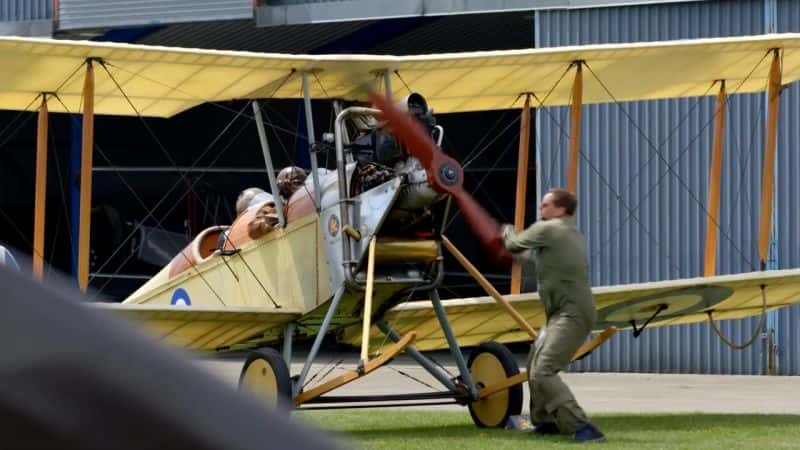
{"points": [[71, 377]]}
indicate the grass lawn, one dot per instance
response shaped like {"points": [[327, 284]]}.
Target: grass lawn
{"points": [[415, 429]]}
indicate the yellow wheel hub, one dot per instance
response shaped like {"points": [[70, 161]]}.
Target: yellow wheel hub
{"points": [[487, 370], [260, 379]]}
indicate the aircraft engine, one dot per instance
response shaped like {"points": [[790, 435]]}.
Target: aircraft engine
{"points": [[417, 193], [380, 155]]}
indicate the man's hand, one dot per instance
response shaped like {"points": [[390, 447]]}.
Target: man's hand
{"points": [[507, 231]]}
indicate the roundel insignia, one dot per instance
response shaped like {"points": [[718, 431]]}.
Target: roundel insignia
{"points": [[333, 225], [7, 259], [662, 305], [181, 298]]}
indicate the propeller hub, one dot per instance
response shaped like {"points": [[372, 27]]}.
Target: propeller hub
{"points": [[448, 174]]}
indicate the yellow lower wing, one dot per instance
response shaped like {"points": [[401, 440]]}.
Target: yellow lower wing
{"points": [[479, 319], [204, 328]]}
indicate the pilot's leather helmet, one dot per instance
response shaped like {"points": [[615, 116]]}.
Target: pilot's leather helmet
{"points": [[289, 180]]}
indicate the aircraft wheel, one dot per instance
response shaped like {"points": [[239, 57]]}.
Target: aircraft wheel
{"points": [[490, 363], [266, 377]]}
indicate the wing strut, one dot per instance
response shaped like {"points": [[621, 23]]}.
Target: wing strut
{"points": [[768, 178], [41, 190], [575, 129], [712, 224], [522, 186], [387, 83], [86, 177]]}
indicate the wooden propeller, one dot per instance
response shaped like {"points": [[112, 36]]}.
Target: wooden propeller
{"points": [[445, 175]]}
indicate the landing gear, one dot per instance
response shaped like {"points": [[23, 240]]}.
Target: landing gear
{"points": [[490, 363], [266, 377]]}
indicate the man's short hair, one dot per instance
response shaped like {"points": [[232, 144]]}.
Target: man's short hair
{"points": [[564, 199]]}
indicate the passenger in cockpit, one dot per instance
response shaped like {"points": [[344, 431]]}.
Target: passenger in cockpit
{"points": [[251, 198], [266, 216], [289, 180]]}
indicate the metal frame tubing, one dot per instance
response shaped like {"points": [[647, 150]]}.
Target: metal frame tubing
{"points": [[455, 350], [288, 333], [387, 82], [312, 154], [341, 168], [312, 355], [273, 183]]}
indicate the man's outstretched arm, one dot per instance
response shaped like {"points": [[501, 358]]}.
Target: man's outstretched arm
{"points": [[530, 238]]}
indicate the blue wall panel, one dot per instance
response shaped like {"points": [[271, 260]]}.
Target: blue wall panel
{"points": [[787, 198], [86, 14], [23, 10], [644, 184]]}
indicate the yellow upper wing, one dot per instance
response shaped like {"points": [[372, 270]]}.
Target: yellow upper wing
{"points": [[163, 81], [476, 320]]}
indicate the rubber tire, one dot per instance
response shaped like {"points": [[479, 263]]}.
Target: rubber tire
{"points": [[271, 360], [513, 404]]}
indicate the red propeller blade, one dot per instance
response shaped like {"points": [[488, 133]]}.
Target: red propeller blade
{"points": [[445, 175]]}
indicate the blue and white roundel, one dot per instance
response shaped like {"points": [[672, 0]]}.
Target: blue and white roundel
{"points": [[181, 298]]}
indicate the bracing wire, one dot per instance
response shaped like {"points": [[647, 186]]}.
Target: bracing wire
{"points": [[150, 211], [143, 205], [15, 128], [480, 183], [603, 179], [665, 161]]}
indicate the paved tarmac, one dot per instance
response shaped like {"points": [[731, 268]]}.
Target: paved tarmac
{"points": [[597, 392]]}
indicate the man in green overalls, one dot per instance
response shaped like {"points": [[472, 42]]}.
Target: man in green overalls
{"points": [[558, 250]]}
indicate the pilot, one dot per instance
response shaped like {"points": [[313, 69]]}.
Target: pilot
{"points": [[289, 180], [559, 253]]}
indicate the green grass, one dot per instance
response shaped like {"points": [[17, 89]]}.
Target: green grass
{"points": [[415, 429]]}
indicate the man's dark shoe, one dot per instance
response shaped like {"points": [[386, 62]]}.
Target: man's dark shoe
{"points": [[546, 429], [588, 433]]}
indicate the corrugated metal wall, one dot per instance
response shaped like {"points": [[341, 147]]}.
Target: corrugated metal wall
{"points": [[20, 10], [643, 199], [79, 14], [788, 200]]}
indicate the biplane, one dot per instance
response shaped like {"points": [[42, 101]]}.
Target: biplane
{"points": [[354, 242]]}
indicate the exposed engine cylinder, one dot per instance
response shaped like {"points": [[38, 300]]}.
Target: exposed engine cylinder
{"points": [[418, 193]]}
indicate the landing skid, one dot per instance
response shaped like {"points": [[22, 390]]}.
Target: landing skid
{"points": [[353, 375]]}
